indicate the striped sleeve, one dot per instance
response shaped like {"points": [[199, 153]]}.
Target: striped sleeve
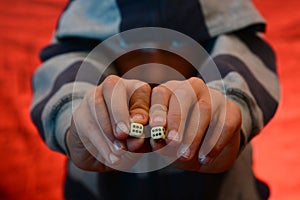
{"points": [[248, 68], [58, 89]]}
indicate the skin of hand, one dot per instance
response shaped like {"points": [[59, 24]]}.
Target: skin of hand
{"points": [[98, 135], [186, 109], [101, 124]]}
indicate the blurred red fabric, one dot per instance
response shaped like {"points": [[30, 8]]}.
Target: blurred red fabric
{"points": [[276, 149], [29, 170]]}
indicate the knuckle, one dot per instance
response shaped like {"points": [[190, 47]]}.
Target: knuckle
{"points": [[160, 90], [144, 87], [200, 85], [111, 78], [110, 81], [182, 93], [141, 94], [230, 126], [172, 83], [147, 87], [197, 81], [186, 92]]}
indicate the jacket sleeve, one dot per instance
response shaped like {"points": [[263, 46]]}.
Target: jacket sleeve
{"points": [[60, 84], [247, 66]]}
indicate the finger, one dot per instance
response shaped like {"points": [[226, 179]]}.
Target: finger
{"points": [[139, 103], [139, 93], [198, 121], [99, 109], [229, 127], [92, 136], [134, 144], [159, 105], [158, 112], [116, 100], [180, 103], [99, 148], [195, 132], [225, 158], [79, 154]]}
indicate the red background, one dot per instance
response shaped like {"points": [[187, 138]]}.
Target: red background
{"points": [[29, 170]]}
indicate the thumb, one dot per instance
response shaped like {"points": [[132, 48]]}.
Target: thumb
{"points": [[139, 102]]}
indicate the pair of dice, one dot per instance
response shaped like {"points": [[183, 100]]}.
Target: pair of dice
{"points": [[158, 132]]}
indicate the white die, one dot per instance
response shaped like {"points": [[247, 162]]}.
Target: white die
{"points": [[136, 130], [158, 132]]}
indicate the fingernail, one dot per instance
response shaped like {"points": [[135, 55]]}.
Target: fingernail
{"points": [[159, 119], [184, 151], [173, 135], [122, 128], [204, 160], [118, 146], [113, 159], [137, 118]]}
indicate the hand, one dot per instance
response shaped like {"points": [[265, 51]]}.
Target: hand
{"points": [[189, 110], [98, 135]]}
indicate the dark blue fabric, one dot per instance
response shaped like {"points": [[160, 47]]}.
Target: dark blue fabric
{"points": [[67, 45], [260, 48], [74, 190], [177, 15], [155, 186]]}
